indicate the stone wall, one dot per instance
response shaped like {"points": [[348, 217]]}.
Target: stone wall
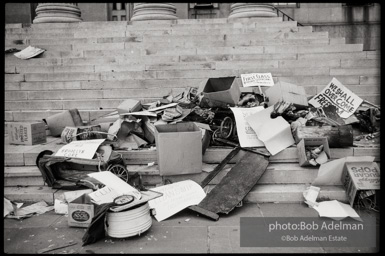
{"points": [[358, 24]]}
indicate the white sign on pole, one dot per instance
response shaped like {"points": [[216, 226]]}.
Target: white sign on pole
{"points": [[257, 79], [338, 95]]}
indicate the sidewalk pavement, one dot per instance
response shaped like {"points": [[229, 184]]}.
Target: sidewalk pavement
{"points": [[184, 232]]}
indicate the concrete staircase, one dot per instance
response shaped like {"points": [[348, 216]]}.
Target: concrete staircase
{"points": [[93, 66]]}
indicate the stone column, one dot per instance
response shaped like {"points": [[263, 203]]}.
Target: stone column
{"points": [[251, 10], [57, 12], [154, 11]]}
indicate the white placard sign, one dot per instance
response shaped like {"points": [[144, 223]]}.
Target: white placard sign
{"points": [[246, 134], [338, 95], [176, 197], [257, 79], [80, 149]]}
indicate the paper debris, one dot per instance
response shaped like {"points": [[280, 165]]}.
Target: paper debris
{"points": [[336, 210], [176, 197], [274, 133], [311, 194], [28, 211], [29, 52]]}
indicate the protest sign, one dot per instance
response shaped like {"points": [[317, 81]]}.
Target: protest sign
{"points": [[338, 95], [176, 197], [257, 79], [80, 149], [246, 134]]}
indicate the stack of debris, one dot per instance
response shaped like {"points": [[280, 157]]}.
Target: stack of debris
{"points": [[256, 114]]}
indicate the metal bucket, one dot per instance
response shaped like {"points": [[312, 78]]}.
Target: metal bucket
{"points": [[128, 223]]}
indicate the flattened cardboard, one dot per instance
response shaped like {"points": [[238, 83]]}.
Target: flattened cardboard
{"points": [[26, 133], [220, 91], [314, 142], [179, 148], [358, 176], [287, 92], [80, 211]]}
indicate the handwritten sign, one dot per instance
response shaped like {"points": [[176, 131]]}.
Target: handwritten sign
{"points": [[257, 79], [176, 197], [246, 134], [80, 149], [364, 175], [338, 95]]}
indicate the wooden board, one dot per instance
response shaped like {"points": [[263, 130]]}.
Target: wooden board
{"points": [[236, 184]]}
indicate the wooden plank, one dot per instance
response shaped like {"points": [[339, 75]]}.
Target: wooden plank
{"points": [[236, 184]]}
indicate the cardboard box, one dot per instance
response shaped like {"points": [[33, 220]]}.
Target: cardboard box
{"points": [[218, 92], [129, 106], [358, 176], [288, 92], [56, 123], [179, 148], [26, 133], [80, 211], [312, 142]]}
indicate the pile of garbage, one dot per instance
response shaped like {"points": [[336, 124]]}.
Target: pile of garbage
{"points": [[258, 117]]}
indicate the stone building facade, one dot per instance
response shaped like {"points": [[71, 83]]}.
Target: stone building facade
{"points": [[358, 23]]}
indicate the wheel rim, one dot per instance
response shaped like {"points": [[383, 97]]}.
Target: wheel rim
{"points": [[119, 170]]}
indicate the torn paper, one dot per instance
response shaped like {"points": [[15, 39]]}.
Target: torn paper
{"points": [[176, 197], [310, 195], [247, 136], [85, 149], [29, 52], [10, 207], [330, 173], [336, 210], [115, 187], [274, 133], [28, 211], [257, 79], [338, 95]]}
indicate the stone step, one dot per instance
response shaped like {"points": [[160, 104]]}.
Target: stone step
{"points": [[345, 67], [347, 59], [92, 33], [111, 24], [20, 155], [261, 193], [18, 107], [292, 193], [22, 176], [31, 194], [123, 43], [276, 173], [145, 25], [156, 26]]}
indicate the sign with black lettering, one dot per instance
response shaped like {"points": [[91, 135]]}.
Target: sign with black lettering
{"points": [[257, 79], [80, 149], [338, 95]]}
